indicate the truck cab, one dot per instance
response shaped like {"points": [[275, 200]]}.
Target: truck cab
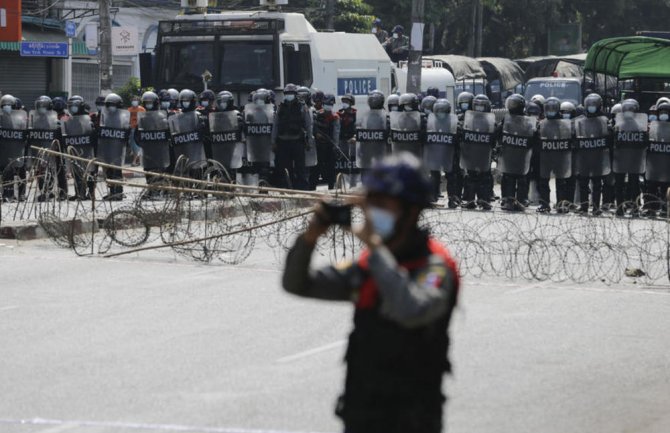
{"points": [[433, 74], [565, 89]]}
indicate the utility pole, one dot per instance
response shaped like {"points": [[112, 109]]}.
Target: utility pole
{"points": [[480, 12], [330, 15], [473, 30], [415, 48], [105, 47]]}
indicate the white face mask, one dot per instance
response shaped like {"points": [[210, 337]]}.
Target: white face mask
{"points": [[260, 102], [652, 118], [289, 98], [135, 103], [185, 104], [7, 108], [345, 105], [328, 107], [204, 103], [663, 117], [394, 108], [441, 115], [374, 30], [395, 36], [464, 106], [223, 105], [551, 113], [566, 115], [591, 109], [479, 108], [407, 107], [99, 107], [628, 114], [111, 109], [149, 106], [383, 222], [42, 110], [75, 109], [427, 111], [165, 105]]}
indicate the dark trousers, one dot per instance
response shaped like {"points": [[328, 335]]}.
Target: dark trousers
{"points": [[476, 184], [609, 189], [325, 167], [436, 181], [114, 174], [626, 190], [514, 187], [655, 195], [565, 191], [290, 158], [8, 174], [597, 183], [455, 184]]}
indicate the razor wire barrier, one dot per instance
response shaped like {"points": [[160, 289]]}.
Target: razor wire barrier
{"points": [[213, 221]]}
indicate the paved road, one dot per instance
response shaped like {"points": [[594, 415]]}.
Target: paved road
{"points": [[158, 344]]}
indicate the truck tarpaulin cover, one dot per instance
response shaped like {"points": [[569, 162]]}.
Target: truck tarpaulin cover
{"points": [[630, 57], [509, 73], [10, 20], [461, 67]]}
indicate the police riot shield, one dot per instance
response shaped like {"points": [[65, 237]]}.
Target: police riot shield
{"points": [[13, 128], [555, 148], [406, 132], [42, 128], [153, 134], [593, 153], [187, 139], [516, 144], [630, 143], [371, 138], [226, 134], [440, 144], [78, 134], [478, 141], [113, 135], [658, 152], [259, 121]]}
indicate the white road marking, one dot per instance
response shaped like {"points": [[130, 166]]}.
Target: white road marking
{"points": [[132, 426], [59, 428], [9, 307], [311, 352]]}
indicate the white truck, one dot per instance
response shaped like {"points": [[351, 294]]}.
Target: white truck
{"points": [[433, 74]]}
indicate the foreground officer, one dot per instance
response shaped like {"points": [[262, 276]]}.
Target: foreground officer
{"points": [[153, 135], [42, 131], [404, 287], [372, 133], [326, 135], [188, 133], [291, 134], [79, 137], [113, 136], [440, 143], [259, 117], [225, 131], [13, 126], [406, 126], [629, 155]]}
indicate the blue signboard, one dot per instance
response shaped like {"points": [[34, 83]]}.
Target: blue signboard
{"points": [[44, 49], [356, 86], [70, 29]]}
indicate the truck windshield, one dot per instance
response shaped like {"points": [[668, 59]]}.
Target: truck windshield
{"points": [[186, 62], [247, 63], [563, 90], [468, 86]]}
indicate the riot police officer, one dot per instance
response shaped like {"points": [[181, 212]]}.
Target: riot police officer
{"points": [[405, 125], [259, 118], [291, 134], [393, 102], [79, 137], [517, 140], [173, 94], [305, 97], [441, 141], [43, 129], [13, 126], [629, 155], [372, 133], [554, 151], [153, 135], [326, 136], [657, 176], [225, 130], [477, 138], [206, 105], [347, 140], [464, 103], [593, 143], [113, 136]]}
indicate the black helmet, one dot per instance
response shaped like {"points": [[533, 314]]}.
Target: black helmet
{"points": [[75, 104], [376, 100], [630, 105], [261, 97], [59, 104], [393, 101], [7, 100], [427, 103], [532, 109], [593, 104], [552, 108], [329, 99], [481, 103], [317, 97], [150, 101], [99, 102], [225, 100], [464, 101], [43, 102], [305, 95], [515, 104], [18, 104], [442, 105], [207, 95], [401, 176], [349, 98], [433, 91], [112, 100], [187, 100], [398, 29], [408, 102], [290, 88]]}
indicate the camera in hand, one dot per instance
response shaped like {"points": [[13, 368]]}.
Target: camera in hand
{"points": [[338, 213]]}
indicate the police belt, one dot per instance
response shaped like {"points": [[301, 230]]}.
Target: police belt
{"points": [[596, 143], [12, 134], [78, 140], [440, 138], [556, 145], [659, 147], [631, 139], [223, 137], [113, 133], [510, 140], [154, 136], [41, 135], [371, 135]]}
